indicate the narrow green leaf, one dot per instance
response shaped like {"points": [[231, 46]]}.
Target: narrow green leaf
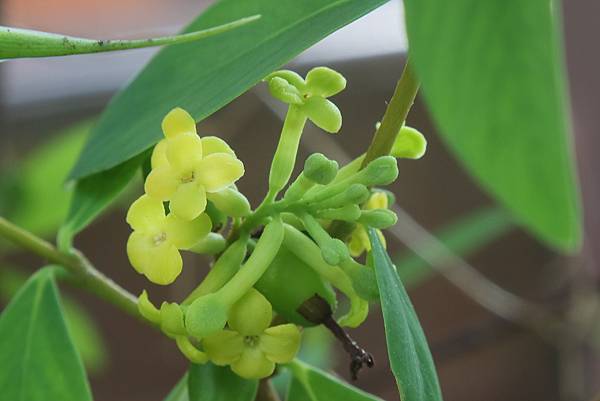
{"points": [[203, 77], [180, 391], [409, 354], [38, 359], [19, 43], [312, 384], [463, 236], [36, 198], [493, 78], [94, 194], [83, 329], [218, 383]]}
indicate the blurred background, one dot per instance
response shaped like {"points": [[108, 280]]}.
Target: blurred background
{"points": [[483, 306]]}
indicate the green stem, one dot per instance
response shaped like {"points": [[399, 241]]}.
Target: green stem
{"points": [[83, 273], [394, 116]]}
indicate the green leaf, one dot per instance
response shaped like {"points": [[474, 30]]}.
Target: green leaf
{"points": [[493, 78], [203, 77], [410, 358], [463, 236], [38, 359], [95, 193], [180, 391], [19, 43], [209, 382], [83, 329], [36, 198], [312, 384]]}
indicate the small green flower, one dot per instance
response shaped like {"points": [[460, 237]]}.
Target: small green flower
{"points": [[186, 167], [153, 247], [249, 345]]}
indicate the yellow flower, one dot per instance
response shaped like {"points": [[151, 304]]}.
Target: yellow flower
{"points": [[250, 346], [359, 239], [185, 167], [153, 247]]}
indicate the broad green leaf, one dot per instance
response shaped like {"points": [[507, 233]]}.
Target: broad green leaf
{"points": [[19, 43], [203, 77], [493, 78], [463, 236], [33, 188], [312, 384], [83, 329], [209, 382], [180, 391], [38, 359], [410, 358], [95, 193]]}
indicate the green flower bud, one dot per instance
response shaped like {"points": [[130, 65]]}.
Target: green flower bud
{"points": [[354, 194], [206, 315], [333, 251], [378, 218], [147, 309], [409, 144], [171, 319], [212, 244], [306, 283], [284, 91], [230, 201], [250, 314], [320, 169], [323, 81], [381, 171], [323, 113]]}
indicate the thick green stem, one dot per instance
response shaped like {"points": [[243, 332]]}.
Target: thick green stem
{"points": [[83, 273], [394, 116]]}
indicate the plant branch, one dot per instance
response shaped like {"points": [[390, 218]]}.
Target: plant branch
{"points": [[266, 391], [394, 116], [83, 273]]}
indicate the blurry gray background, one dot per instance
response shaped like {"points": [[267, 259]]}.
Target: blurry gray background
{"points": [[479, 356]]}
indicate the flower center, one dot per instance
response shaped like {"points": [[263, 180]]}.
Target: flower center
{"points": [[159, 238], [189, 177], [251, 341]]}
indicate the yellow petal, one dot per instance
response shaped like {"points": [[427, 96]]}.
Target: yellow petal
{"points": [[253, 365], [161, 183], [214, 144], [146, 214], [355, 245], [224, 347], [184, 151], [189, 201], [218, 170], [184, 233], [178, 121], [281, 343], [161, 263], [251, 314], [378, 200], [159, 154]]}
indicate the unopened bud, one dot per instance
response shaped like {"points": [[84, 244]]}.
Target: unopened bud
{"points": [[230, 201], [284, 91], [206, 315], [409, 144], [378, 218], [320, 169], [381, 171]]}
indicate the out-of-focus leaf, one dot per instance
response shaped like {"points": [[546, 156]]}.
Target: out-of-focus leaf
{"points": [[463, 236], [94, 194], [409, 354], [83, 329], [209, 382], [203, 77], [312, 384], [39, 198], [493, 78], [20, 43], [38, 359], [180, 391]]}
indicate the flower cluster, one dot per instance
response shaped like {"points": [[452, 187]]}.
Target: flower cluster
{"points": [[289, 256]]}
